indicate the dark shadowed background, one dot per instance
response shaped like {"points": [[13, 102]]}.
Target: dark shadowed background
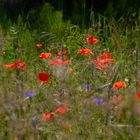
{"points": [[78, 11]]}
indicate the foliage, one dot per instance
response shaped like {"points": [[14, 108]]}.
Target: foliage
{"points": [[88, 91]]}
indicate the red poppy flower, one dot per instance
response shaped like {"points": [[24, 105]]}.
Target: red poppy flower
{"points": [[91, 40], [64, 52], [45, 55], [47, 116], [58, 62], [20, 65], [55, 61], [106, 55], [65, 62], [17, 65], [8, 66], [44, 77], [107, 60], [61, 110], [39, 45], [119, 84], [138, 95], [101, 66], [102, 63], [84, 51], [103, 60]]}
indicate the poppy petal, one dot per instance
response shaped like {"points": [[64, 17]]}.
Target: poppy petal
{"points": [[61, 110], [44, 77]]}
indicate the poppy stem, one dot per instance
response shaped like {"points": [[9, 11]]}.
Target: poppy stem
{"points": [[62, 49], [17, 84], [40, 84], [19, 78], [137, 64]]}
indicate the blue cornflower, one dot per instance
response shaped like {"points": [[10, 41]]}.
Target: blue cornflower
{"points": [[29, 94], [99, 100], [87, 86]]}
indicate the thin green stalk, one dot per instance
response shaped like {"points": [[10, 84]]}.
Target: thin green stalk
{"points": [[109, 92]]}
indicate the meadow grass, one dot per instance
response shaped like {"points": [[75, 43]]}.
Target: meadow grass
{"points": [[94, 112]]}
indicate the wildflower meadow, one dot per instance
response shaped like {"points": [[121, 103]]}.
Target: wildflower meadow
{"points": [[62, 82]]}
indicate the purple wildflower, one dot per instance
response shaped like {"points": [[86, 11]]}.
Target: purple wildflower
{"points": [[87, 86], [29, 94], [99, 100]]}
